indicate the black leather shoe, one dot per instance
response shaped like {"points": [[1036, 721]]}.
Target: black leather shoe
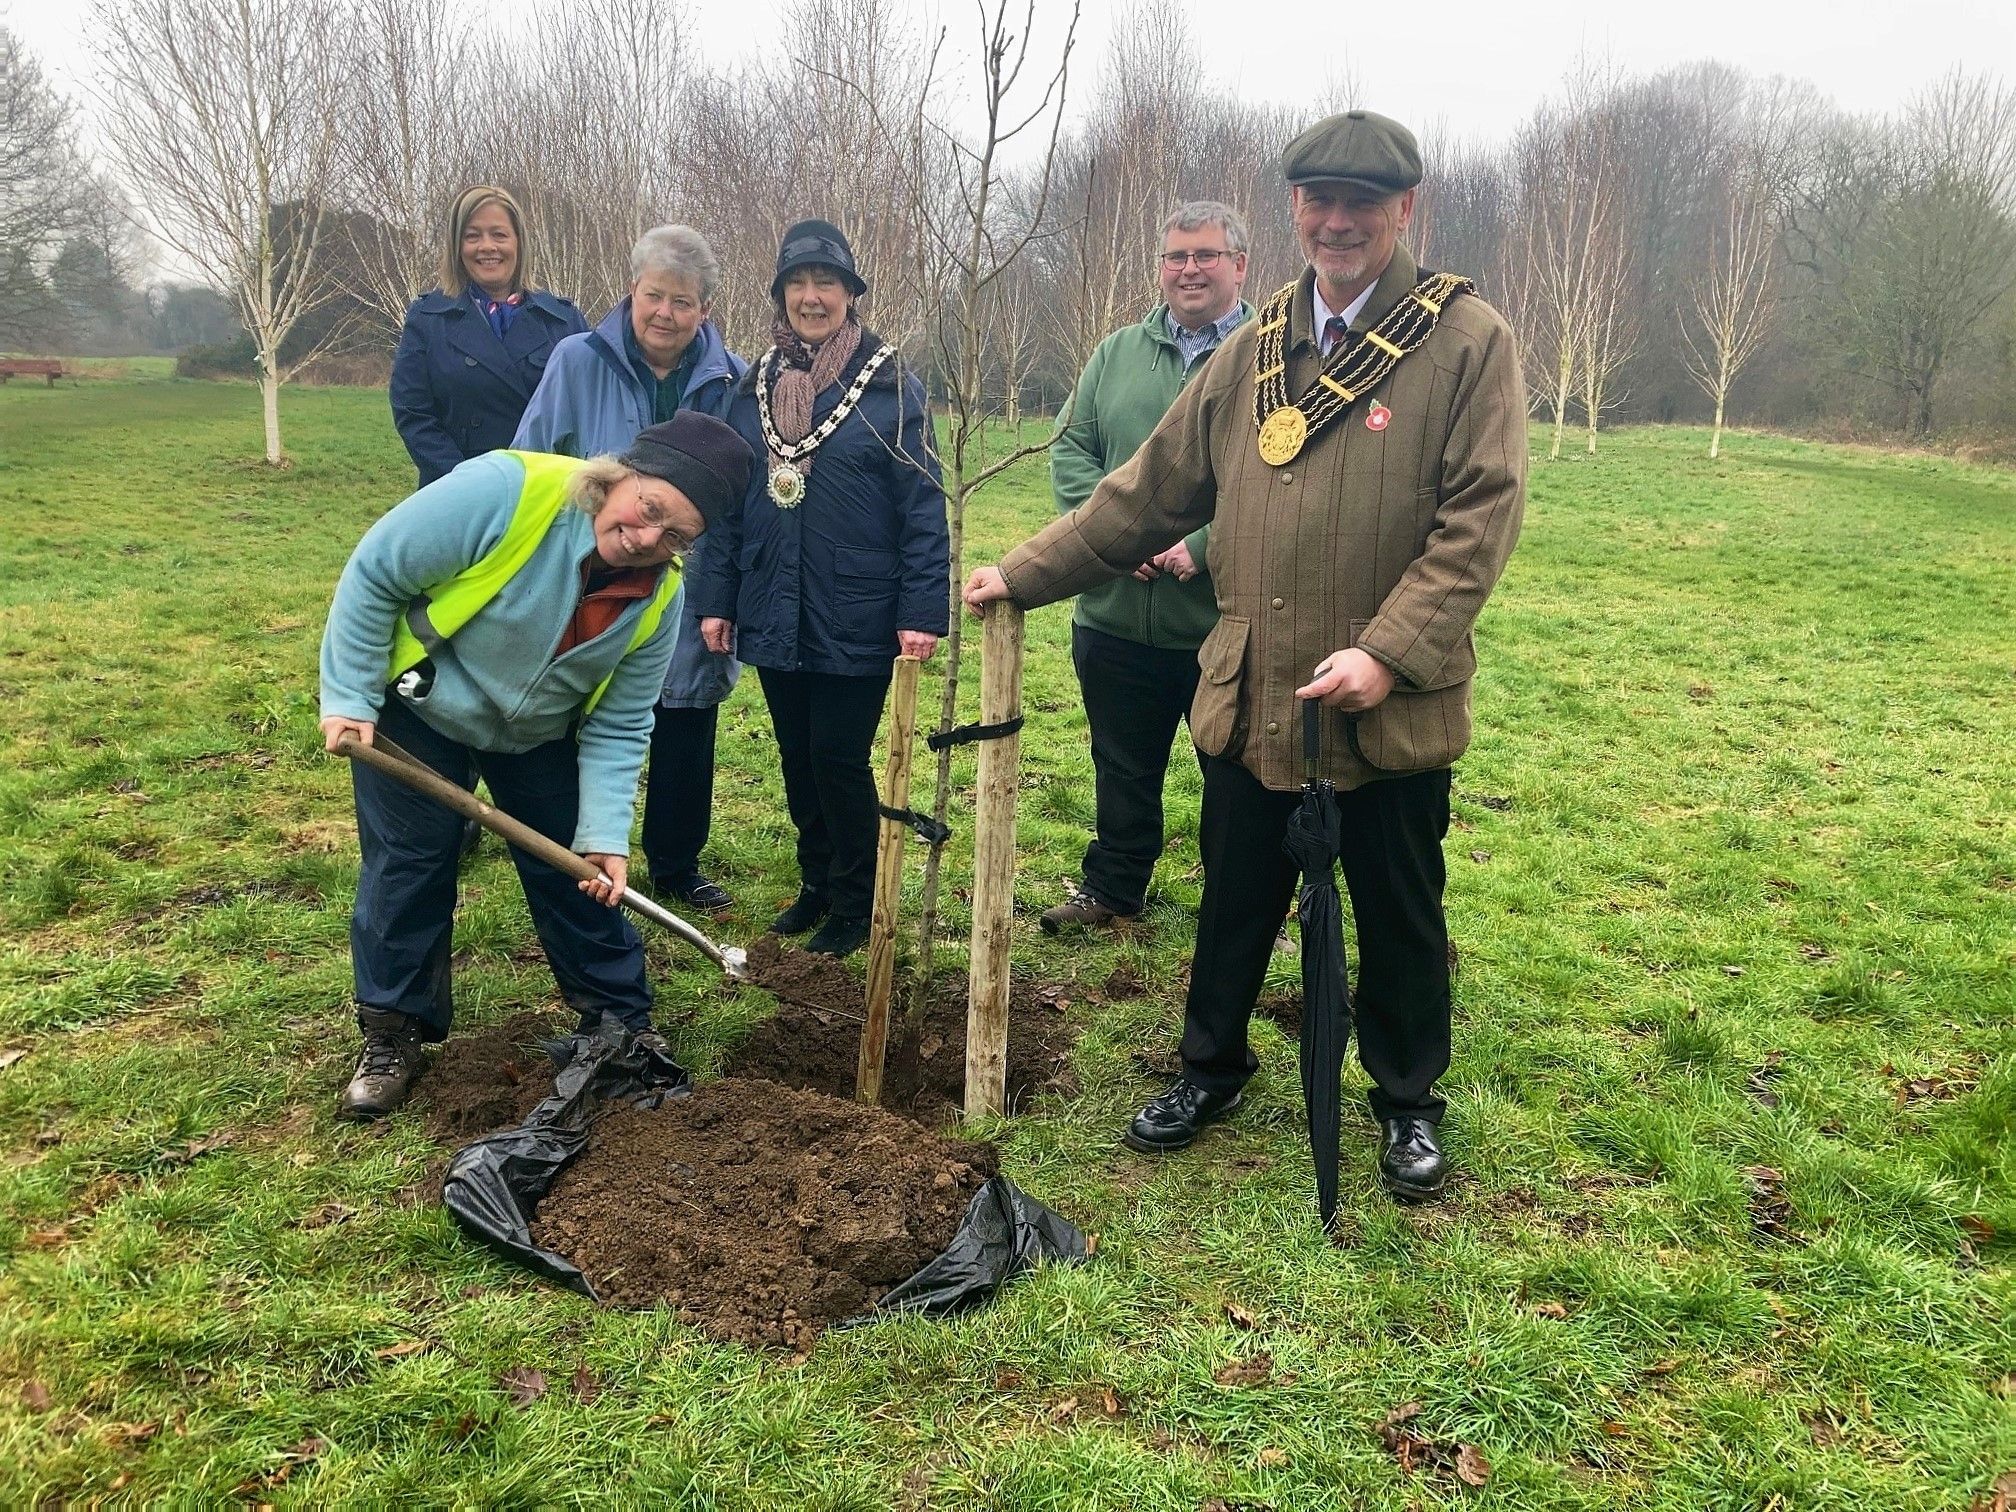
{"points": [[810, 908], [695, 892], [1411, 1163], [1177, 1117], [839, 936]]}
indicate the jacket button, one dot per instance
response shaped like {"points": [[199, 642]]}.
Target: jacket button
{"points": [[468, 362], [1280, 603], [1273, 727], [1287, 477]]}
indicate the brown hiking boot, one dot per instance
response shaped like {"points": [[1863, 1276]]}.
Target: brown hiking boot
{"points": [[1080, 910], [392, 1061]]}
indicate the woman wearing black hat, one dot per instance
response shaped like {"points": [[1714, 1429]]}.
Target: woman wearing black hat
{"points": [[838, 563], [512, 617]]}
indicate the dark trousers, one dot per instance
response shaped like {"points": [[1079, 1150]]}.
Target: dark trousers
{"points": [[825, 727], [401, 932], [1136, 697], [679, 791], [1392, 856]]}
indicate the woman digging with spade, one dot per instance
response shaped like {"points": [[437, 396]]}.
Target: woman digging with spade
{"points": [[835, 566], [512, 616]]}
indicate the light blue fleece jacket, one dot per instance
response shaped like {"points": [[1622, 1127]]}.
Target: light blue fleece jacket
{"points": [[498, 686]]}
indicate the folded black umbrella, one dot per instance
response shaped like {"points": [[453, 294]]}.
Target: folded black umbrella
{"points": [[1315, 835]]}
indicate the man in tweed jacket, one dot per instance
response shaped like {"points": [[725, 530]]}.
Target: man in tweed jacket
{"points": [[1350, 573]]}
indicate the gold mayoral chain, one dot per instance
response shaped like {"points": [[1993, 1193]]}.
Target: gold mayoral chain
{"points": [[1355, 366], [787, 478]]}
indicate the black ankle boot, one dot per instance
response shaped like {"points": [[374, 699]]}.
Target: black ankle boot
{"points": [[810, 908], [839, 936]]}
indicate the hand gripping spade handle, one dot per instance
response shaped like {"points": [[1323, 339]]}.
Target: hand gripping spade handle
{"points": [[385, 756]]}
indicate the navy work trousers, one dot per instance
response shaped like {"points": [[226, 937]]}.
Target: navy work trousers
{"points": [[1392, 856], [825, 725], [679, 792], [1136, 698], [401, 934]]}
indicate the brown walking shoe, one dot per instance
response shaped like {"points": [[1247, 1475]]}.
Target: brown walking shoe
{"points": [[1081, 910], [392, 1061]]}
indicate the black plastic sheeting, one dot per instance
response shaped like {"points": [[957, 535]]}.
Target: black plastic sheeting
{"points": [[495, 1184]]}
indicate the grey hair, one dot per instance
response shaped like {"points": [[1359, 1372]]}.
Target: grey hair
{"points": [[680, 251], [589, 484], [1196, 213]]}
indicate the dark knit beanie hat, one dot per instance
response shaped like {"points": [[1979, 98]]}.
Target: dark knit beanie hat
{"points": [[698, 455], [820, 242]]}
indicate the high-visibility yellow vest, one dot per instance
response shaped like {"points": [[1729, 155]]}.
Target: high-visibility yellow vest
{"points": [[432, 618]]}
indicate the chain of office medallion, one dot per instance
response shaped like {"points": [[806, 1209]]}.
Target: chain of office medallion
{"points": [[809, 444], [1358, 363]]}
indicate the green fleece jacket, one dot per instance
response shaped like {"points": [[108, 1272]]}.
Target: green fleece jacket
{"points": [[1134, 376]]}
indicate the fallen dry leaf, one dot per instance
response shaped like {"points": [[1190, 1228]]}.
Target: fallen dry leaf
{"points": [[327, 1214], [400, 1351], [1480, 856], [1255, 1370], [1110, 1403], [1241, 1317], [2000, 1497], [131, 1433], [523, 1385], [1662, 1367], [35, 1396], [1008, 1380], [1064, 1411], [586, 1387], [1614, 1429], [1550, 1310], [121, 1481], [1471, 1467], [1734, 971], [1272, 1458], [10, 1057]]}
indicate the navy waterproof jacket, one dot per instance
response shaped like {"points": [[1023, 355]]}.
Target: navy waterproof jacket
{"points": [[825, 586], [457, 391]]}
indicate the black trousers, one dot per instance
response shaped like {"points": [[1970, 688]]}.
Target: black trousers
{"points": [[1136, 697], [825, 727], [1392, 858], [401, 933], [679, 791]]}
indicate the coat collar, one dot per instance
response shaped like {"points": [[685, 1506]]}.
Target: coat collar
{"points": [[715, 362], [1401, 275], [885, 377]]}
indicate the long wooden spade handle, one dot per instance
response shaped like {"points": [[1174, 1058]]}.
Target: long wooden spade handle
{"points": [[386, 756]]}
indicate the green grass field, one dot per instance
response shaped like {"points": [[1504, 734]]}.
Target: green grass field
{"points": [[1734, 879]]}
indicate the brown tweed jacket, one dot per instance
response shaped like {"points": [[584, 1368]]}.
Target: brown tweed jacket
{"points": [[1389, 540]]}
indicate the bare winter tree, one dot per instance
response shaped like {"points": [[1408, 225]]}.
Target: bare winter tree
{"points": [[1733, 299], [402, 158], [224, 115], [976, 245], [44, 191]]}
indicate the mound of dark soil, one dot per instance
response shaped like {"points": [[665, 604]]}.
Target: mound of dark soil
{"points": [[488, 1080], [814, 1039], [761, 1213]]}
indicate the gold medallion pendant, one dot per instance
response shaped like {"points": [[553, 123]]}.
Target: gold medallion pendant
{"points": [[1282, 435]]}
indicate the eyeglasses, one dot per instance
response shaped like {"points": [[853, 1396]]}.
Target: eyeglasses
{"points": [[660, 519], [1207, 259]]}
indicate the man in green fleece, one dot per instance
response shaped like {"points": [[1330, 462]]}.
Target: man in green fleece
{"points": [[1134, 641]]}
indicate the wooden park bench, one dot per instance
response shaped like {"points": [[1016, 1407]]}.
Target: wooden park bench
{"points": [[31, 367]]}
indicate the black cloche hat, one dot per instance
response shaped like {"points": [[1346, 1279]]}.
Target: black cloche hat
{"points": [[817, 241]]}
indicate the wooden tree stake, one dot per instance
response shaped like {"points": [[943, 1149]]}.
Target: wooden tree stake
{"points": [[993, 863], [888, 879]]}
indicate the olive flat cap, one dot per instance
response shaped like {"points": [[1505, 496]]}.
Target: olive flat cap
{"points": [[1359, 147]]}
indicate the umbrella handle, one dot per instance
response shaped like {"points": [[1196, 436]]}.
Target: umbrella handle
{"points": [[1312, 738]]}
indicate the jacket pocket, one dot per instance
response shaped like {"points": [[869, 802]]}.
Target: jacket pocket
{"points": [[1413, 728], [1217, 716], [864, 564]]}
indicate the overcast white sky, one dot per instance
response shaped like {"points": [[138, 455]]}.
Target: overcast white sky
{"points": [[1474, 67]]}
